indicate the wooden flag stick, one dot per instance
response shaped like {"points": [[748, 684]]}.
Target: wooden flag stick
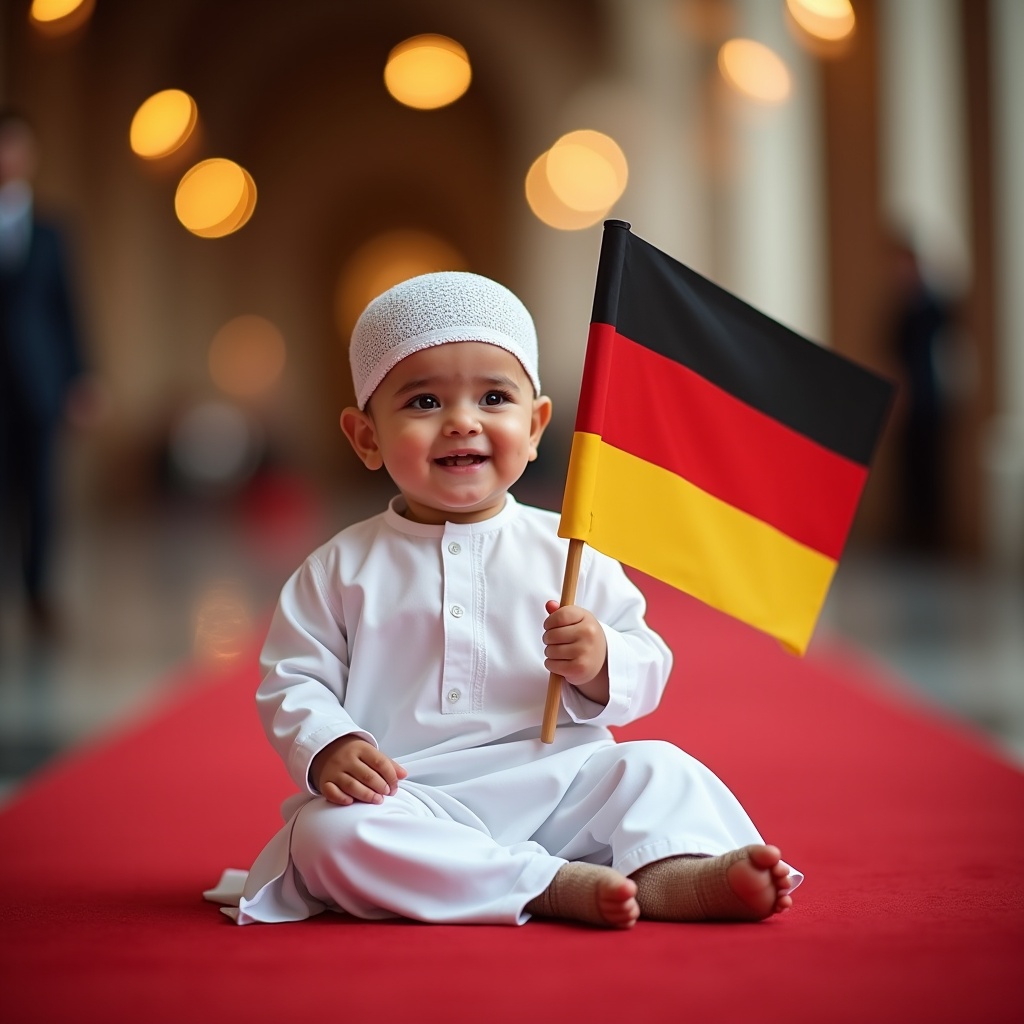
{"points": [[554, 698]]}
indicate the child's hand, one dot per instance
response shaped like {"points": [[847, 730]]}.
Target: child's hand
{"points": [[576, 650], [351, 769]]}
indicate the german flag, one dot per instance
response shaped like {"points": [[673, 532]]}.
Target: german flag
{"points": [[714, 448]]}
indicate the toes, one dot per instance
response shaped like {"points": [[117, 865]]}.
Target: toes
{"points": [[625, 915], [626, 889], [760, 882], [617, 903], [764, 857], [781, 877], [622, 915]]}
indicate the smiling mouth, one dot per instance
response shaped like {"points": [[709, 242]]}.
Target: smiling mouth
{"points": [[461, 460]]}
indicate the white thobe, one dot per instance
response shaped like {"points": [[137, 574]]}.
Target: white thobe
{"points": [[426, 641]]}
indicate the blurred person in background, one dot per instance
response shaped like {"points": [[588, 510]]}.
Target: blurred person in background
{"points": [[41, 368], [920, 323]]}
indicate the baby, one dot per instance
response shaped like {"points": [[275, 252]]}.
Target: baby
{"points": [[407, 663]]}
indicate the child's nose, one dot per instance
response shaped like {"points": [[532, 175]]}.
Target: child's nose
{"points": [[462, 419]]}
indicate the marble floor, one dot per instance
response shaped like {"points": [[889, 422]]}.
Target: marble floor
{"points": [[951, 633], [142, 594]]}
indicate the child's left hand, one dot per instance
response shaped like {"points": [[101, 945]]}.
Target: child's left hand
{"points": [[576, 650]]}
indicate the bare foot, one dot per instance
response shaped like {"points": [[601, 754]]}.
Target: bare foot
{"points": [[615, 899], [748, 884], [759, 880], [589, 893]]}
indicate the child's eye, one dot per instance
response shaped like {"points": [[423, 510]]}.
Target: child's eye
{"points": [[424, 402], [496, 398]]}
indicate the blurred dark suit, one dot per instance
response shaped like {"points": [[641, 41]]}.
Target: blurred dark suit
{"points": [[40, 357], [921, 320]]}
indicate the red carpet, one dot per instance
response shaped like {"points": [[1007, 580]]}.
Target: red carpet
{"points": [[910, 832]]}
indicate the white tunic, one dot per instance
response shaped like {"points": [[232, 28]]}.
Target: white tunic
{"points": [[426, 641]]}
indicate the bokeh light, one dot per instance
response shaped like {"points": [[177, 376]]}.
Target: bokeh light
{"points": [[58, 17], [214, 446], [385, 260], [215, 198], [223, 622], [162, 124], [587, 171], [754, 70], [828, 20], [575, 183], [548, 208], [247, 356], [427, 72]]}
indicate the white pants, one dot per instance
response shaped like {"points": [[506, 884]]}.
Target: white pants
{"points": [[479, 851]]}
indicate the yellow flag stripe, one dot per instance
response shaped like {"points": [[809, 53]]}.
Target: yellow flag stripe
{"points": [[663, 525]]}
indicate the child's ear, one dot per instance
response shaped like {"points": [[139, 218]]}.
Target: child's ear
{"points": [[362, 435], [541, 418]]}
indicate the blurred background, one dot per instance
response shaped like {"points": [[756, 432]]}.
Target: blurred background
{"points": [[232, 181]]}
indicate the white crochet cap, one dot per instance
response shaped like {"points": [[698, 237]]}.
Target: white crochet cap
{"points": [[434, 309]]}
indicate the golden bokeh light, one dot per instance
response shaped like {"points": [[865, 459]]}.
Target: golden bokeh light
{"points": [[427, 72], [52, 10], [587, 171], [385, 260], [828, 20], [548, 208], [754, 70], [247, 356], [57, 17], [162, 124], [215, 198], [223, 622]]}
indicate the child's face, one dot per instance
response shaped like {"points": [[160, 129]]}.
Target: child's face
{"points": [[455, 426]]}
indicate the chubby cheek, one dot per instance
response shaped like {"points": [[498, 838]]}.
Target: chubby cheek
{"points": [[519, 446], [413, 441], [405, 451]]}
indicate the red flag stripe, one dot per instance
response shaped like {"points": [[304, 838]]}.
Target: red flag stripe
{"points": [[728, 448]]}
